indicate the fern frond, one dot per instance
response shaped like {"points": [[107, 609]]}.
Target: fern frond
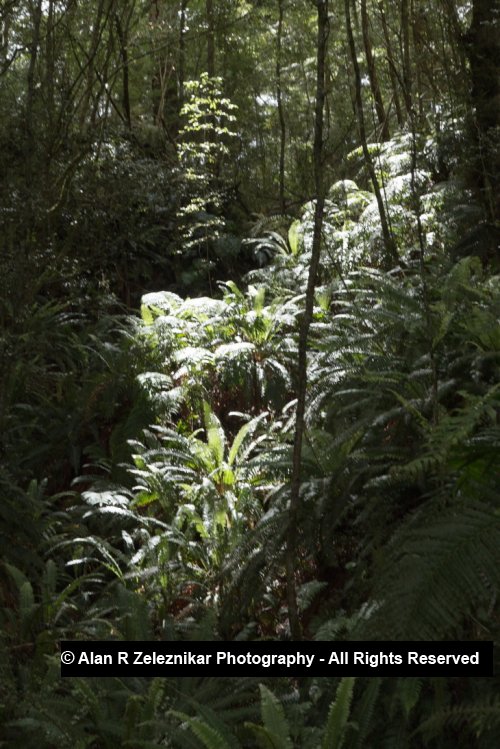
{"points": [[210, 737], [338, 715], [273, 717], [363, 717], [438, 572], [480, 717]]}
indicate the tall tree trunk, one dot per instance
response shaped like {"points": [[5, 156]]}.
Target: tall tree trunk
{"points": [[483, 46], [281, 114], [49, 65], [5, 23], [417, 23], [390, 248], [181, 67], [455, 37], [372, 75], [293, 514], [405, 43], [122, 33], [209, 9], [101, 17], [36, 18], [156, 96], [392, 65], [164, 88]]}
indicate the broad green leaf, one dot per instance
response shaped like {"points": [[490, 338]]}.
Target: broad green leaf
{"points": [[146, 314], [246, 430], [294, 237], [216, 438]]}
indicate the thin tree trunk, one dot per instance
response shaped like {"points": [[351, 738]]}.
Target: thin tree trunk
{"points": [[101, 18], [418, 52], [390, 248], [154, 20], [164, 86], [123, 42], [36, 17], [405, 41], [293, 514], [5, 22], [261, 142], [209, 9], [483, 39], [372, 75], [181, 68], [392, 66], [49, 65], [455, 35], [281, 114]]}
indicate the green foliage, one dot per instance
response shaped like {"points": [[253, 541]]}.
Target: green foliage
{"points": [[186, 540], [236, 353], [145, 463], [338, 715], [203, 147], [275, 730], [210, 737]]}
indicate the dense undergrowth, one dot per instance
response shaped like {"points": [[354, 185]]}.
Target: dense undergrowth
{"points": [[148, 480]]}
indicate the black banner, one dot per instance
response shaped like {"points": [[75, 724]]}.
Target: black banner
{"points": [[276, 658]]}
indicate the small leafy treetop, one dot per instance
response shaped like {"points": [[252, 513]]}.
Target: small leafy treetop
{"points": [[204, 143]]}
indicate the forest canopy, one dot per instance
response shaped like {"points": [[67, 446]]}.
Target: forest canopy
{"points": [[249, 360]]}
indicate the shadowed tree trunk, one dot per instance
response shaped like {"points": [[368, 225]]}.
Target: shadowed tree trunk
{"points": [[372, 75], [50, 64], [281, 115], [100, 19], [122, 33], [36, 17], [392, 66], [5, 23], [164, 86], [181, 72], [305, 323], [405, 44], [391, 255], [483, 47], [209, 9]]}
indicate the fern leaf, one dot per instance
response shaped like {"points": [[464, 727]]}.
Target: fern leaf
{"points": [[438, 573], [338, 715], [409, 693], [266, 739], [364, 714], [481, 716], [209, 737], [273, 717], [246, 429], [216, 438]]}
